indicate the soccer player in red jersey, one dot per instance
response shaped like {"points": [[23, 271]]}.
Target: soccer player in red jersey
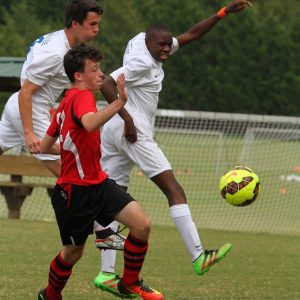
{"points": [[84, 192]]}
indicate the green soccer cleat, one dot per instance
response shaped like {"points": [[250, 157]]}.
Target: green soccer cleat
{"points": [[209, 257], [108, 282]]}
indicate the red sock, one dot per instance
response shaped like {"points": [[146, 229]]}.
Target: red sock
{"points": [[59, 273], [134, 254]]}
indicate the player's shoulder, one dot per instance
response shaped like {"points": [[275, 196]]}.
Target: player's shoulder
{"points": [[79, 95], [136, 45], [137, 53], [51, 44]]}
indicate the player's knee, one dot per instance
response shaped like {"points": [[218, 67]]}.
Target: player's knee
{"points": [[72, 254], [146, 226], [142, 229]]}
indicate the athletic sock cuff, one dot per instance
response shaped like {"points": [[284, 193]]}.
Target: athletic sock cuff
{"points": [[134, 240], [180, 210], [62, 262]]}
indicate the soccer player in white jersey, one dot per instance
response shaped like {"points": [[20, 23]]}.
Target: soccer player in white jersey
{"points": [[127, 139], [26, 117]]}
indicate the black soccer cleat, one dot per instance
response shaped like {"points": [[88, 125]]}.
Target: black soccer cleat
{"points": [[42, 294]]}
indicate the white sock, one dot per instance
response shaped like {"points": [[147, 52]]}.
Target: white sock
{"points": [[114, 226], [97, 226], [108, 257], [182, 218], [108, 260]]}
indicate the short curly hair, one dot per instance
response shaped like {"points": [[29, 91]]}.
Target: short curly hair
{"points": [[74, 59]]}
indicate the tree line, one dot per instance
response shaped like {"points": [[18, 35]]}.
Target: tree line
{"points": [[248, 63]]}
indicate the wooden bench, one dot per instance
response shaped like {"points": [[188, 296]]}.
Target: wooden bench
{"points": [[15, 190]]}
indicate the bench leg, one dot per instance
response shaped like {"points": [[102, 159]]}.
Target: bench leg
{"points": [[15, 197]]}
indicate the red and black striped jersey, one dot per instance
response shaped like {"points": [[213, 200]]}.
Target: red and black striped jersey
{"points": [[80, 150]]}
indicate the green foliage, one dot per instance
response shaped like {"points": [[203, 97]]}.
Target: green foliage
{"points": [[248, 63], [243, 65], [49, 11], [118, 24], [16, 35]]}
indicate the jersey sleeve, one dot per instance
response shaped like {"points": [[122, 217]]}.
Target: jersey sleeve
{"points": [[175, 46], [115, 74], [136, 67], [84, 103], [39, 72]]}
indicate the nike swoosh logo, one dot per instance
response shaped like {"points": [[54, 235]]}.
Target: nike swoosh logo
{"points": [[232, 174]]}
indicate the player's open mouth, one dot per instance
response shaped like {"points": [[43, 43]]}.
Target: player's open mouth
{"points": [[164, 56]]}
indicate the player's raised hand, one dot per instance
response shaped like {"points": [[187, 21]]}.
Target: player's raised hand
{"points": [[121, 88], [237, 5]]}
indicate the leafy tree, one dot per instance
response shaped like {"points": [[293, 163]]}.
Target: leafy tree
{"points": [[248, 63], [16, 36], [119, 23], [49, 11]]}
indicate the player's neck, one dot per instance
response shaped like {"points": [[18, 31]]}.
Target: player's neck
{"points": [[81, 86], [71, 37]]}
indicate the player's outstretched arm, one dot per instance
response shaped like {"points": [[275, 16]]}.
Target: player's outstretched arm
{"points": [[201, 28]]}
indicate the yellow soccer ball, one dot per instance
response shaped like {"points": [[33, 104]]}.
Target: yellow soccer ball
{"points": [[239, 186]]}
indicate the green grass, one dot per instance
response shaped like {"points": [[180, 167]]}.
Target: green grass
{"points": [[260, 266]]}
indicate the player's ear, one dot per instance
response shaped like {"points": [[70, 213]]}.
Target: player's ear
{"points": [[147, 42], [75, 24], [78, 76]]}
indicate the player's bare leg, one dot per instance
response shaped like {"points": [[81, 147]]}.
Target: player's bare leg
{"points": [[181, 215]]}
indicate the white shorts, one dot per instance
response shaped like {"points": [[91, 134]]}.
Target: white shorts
{"points": [[119, 156], [11, 127]]}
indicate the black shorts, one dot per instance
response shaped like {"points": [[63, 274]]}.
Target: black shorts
{"points": [[76, 207]]}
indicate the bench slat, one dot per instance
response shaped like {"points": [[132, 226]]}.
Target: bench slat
{"points": [[23, 165], [31, 185]]}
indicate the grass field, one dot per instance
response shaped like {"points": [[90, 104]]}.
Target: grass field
{"points": [[260, 266], [264, 263]]}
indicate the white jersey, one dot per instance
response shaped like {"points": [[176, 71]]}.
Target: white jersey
{"points": [[144, 76], [44, 67]]}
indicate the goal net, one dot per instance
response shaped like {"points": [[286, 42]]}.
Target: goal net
{"points": [[201, 146]]}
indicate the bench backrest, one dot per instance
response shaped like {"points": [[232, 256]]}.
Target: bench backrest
{"points": [[23, 165]]}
